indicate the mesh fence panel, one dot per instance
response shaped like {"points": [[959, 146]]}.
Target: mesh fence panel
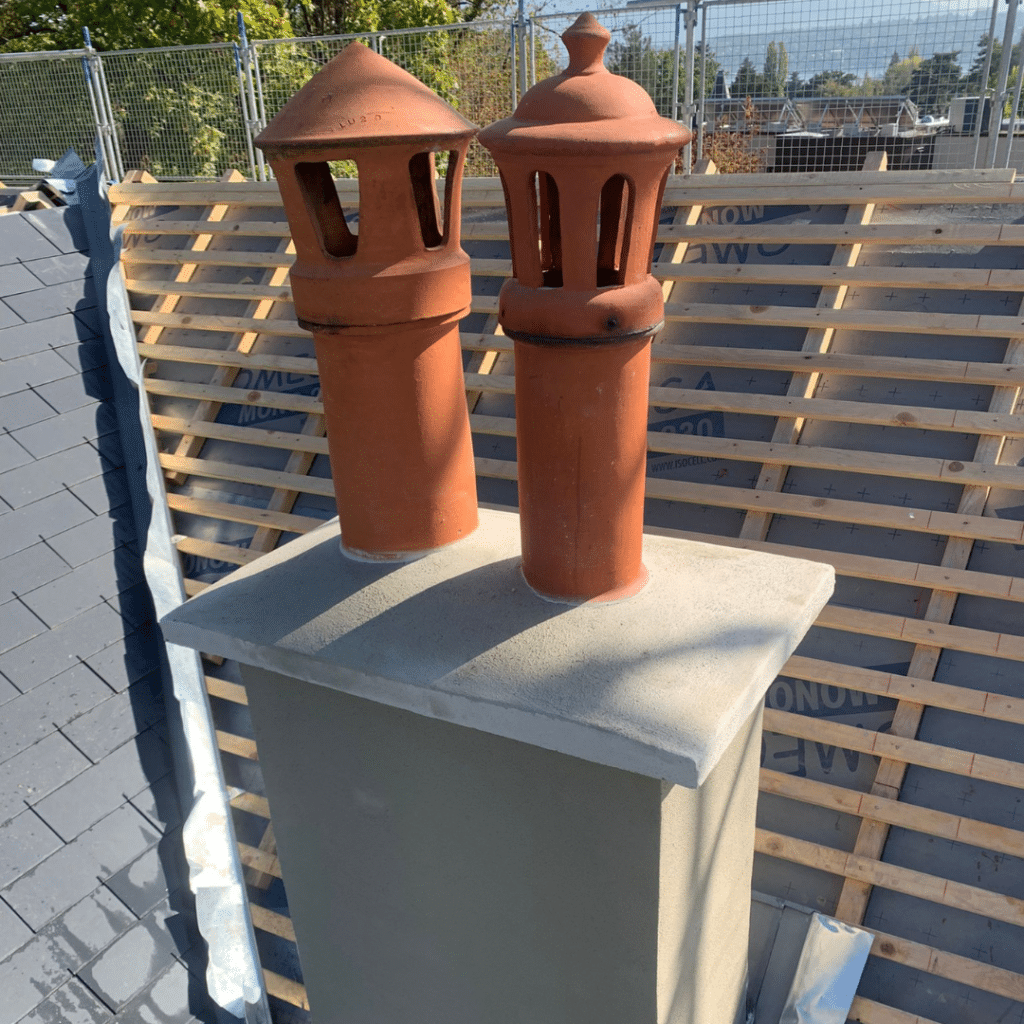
{"points": [[45, 108], [470, 66], [816, 84], [178, 111]]}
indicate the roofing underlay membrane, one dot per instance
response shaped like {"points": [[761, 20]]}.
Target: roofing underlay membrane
{"points": [[892, 503]]}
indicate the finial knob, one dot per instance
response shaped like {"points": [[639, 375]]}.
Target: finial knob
{"points": [[586, 40]]}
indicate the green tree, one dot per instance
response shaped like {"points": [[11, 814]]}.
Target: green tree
{"points": [[635, 57], [832, 83], [343, 17], [972, 82], [795, 85], [748, 81], [710, 69], [127, 24], [896, 79], [776, 69], [935, 82]]}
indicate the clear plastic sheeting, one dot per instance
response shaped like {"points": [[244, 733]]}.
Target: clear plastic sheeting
{"points": [[234, 978]]}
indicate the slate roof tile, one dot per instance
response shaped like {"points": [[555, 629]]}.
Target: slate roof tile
{"points": [[71, 873], [23, 409], [93, 539], [25, 840], [17, 624], [8, 317], [166, 1000], [69, 297], [43, 963], [159, 803], [102, 493], [69, 559], [119, 718], [98, 790], [21, 241], [50, 706], [36, 368], [47, 476], [12, 454], [43, 336], [8, 691], [88, 354], [159, 872], [57, 269], [65, 431], [130, 962], [51, 653], [87, 585], [72, 1003], [135, 604], [15, 277], [33, 773], [77, 390], [63, 227], [124, 661], [29, 568], [13, 931], [41, 519], [89, 318]]}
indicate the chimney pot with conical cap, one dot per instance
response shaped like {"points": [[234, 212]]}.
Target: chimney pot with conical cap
{"points": [[383, 301]]}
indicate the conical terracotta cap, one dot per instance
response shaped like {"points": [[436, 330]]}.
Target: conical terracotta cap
{"points": [[361, 99], [586, 107]]}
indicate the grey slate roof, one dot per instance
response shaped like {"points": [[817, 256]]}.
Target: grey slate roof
{"points": [[96, 922]]}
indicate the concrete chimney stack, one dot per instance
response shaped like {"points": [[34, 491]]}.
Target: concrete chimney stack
{"points": [[383, 303], [583, 163]]}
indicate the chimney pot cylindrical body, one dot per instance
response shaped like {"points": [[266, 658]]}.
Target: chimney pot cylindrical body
{"points": [[382, 298], [583, 162]]}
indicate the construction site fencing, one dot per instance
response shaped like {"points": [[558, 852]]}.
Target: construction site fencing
{"points": [[469, 65], [765, 84]]}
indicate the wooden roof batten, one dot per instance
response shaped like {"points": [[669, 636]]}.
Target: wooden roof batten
{"points": [[206, 266]]}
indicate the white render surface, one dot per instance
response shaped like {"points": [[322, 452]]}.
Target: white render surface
{"points": [[659, 684]]}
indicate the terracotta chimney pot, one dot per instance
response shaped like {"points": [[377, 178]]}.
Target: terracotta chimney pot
{"points": [[384, 303], [583, 164]]}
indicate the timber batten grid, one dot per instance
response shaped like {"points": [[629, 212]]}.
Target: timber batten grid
{"points": [[838, 379]]}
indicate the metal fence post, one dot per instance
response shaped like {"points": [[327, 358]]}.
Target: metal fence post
{"points": [[699, 131], [983, 83], [99, 100], [513, 51], [250, 108], [1011, 132], [999, 98], [689, 109], [247, 115], [521, 24]]}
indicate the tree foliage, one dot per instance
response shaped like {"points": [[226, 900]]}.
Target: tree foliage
{"points": [[934, 83], [776, 69], [343, 17], [634, 56], [27, 25]]}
